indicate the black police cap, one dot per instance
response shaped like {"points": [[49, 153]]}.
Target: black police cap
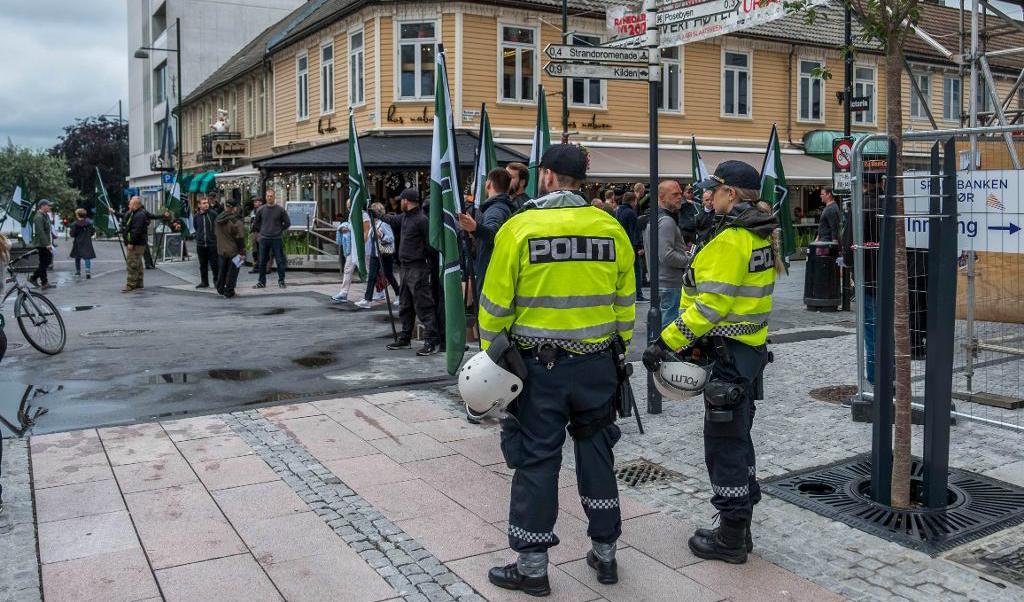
{"points": [[732, 173], [566, 160]]}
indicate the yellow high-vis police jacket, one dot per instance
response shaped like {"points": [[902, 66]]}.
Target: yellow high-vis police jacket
{"points": [[727, 291], [561, 271]]}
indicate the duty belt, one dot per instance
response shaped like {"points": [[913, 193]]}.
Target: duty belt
{"points": [[575, 347]]}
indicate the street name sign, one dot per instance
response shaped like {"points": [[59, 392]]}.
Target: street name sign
{"points": [[568, 70], [859, 104], [596, 54]]}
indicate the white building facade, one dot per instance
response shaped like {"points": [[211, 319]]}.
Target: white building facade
{"points": [[211, 32]]}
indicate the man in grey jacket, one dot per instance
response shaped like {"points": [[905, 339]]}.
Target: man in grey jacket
{"points": [[271, 224], [673, 252]]}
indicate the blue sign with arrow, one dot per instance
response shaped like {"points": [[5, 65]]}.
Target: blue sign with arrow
{"points": [[1012, 228]]}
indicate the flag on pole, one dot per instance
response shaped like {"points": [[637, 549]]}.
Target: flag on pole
{"points": [[541, 142], [699, 170], [179, 206], [167, 139], [445, 206], [775, 192], [103, 217], [357, 195], [486, 157]]}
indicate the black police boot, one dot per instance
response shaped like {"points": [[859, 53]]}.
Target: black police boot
{"points": [[607, 572], [706, 533], [726, 543], [509, 577]]}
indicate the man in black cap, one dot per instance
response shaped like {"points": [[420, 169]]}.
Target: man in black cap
{"points": [[561, 285], [42, 240], [415, 299]]}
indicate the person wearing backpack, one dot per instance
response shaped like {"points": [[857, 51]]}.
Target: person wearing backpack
{"points": [[488, 219], [382, 256]]}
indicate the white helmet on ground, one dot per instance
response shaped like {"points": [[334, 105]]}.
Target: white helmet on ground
{"points": [[492, 379], [680, 380]]}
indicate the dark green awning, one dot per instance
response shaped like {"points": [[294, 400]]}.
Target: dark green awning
{"points": [[819, 143], [202, 182]]}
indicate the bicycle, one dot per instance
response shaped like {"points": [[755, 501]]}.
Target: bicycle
{"points": [[27, 416], [38, 318]]}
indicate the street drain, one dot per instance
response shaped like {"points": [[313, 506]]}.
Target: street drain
{"points": [[117, 332], [834, 394], [976, 505], [637, 473]]}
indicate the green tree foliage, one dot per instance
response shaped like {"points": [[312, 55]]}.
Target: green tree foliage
{"points": [[91, 143], [40, 176]]}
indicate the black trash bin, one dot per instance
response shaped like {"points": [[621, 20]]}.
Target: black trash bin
{"points": [[821, 281]]}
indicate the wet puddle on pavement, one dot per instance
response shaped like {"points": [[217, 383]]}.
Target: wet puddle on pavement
{"points": [[183, 378], [316, 360], [20, 409]]}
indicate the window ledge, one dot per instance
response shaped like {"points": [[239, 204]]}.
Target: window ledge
{"points": [[737, 117], [591, 108], [413, 101], [811, 121], [517, 103]]}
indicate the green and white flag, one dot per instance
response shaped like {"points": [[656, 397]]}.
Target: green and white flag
{"points": [[357, 195], [541, 142], [698, 169], [445, 205], [486, 157], [103, 215], [775, 192]]}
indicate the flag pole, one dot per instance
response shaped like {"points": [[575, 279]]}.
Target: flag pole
{"points": [[387, 283], [110, 213]]}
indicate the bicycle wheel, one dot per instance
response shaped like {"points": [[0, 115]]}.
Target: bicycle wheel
{"points": [[41, 323]]}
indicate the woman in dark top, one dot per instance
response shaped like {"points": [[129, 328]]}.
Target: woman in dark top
{"points": [[82, 232]]}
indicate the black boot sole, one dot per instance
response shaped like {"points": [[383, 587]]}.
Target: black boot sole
{"points": [[604, 576], [730, 558], [537, 592]]}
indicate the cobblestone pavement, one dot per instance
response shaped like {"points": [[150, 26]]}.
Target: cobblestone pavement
{"points": [[17, 528]]}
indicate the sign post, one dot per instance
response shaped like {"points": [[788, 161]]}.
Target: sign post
{"points": [[654, 95]]}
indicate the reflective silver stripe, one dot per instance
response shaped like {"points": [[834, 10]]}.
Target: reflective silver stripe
{"points": [[724, 288], [529, 536], [494, 309], [625, 300], [689, 290], [599, 504], [709, 314], [577, 334], [748, 317], [487, 335], [743, 491], [565, 302], [624, 326]]}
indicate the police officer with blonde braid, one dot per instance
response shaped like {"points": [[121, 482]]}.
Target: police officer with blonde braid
{"points": [[558, 302], [724, 311]]}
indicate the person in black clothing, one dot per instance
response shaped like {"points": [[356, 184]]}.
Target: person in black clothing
{"points": [[135, 229], [828, 226], [626, 215], [272, 224], [689, 214], [490, 215], [416, 299], [206, 242], [520, 175]]}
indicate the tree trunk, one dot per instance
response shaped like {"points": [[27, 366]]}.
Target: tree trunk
{"points": [[901, 444]]}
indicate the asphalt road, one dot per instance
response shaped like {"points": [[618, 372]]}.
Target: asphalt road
{"points": [[174, 352]]}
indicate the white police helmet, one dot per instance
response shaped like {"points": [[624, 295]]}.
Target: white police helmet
{"points": [[680, 380], [492, 379]]}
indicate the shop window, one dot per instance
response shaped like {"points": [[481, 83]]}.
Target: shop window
{"points": [[518, 64], [736, 84], [356, 75], [417, 51]]}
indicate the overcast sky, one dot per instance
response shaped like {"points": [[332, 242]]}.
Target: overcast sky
{"points": [[59, 60]]}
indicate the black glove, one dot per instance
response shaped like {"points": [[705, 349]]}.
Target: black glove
{"points": [[655, 354]]}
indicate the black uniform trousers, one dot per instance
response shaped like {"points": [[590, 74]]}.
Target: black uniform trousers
{"points": [[728, 448], [577, 389], [226, 275], [416, 301], [208, 261]]}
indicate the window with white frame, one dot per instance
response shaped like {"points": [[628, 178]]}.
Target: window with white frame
{"points": [[261, 105], [812, 90], [250, 113], [417, 51], [518, 63], [586, 92], [671, 82], [917, 108], [327, 79], [356, 76], [864, 85], [736, 83], [951, 98], [302, 87], [160, 84]]}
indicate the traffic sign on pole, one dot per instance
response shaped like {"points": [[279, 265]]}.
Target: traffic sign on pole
{"points": [[842, 157], [597, 71], [597, 54]]}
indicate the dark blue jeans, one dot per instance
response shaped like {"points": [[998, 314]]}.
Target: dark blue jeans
{"points": [[275, 246]]}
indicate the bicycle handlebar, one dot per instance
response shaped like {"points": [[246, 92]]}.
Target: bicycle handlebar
{"points": [[25, 256]]}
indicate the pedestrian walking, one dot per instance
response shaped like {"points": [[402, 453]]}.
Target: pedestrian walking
{"points": [[560, 288], [490, 215], [229, 232], [272, 223], [673, 251], [42, 241], [517, 187], [381, 254], [417, 259], [135, 227], [726, 301], [206, 242], [81, 233]]}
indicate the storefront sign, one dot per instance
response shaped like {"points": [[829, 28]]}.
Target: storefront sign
{"points": [[231, 149], [393, 117], [324, 126], [592, 124], [300, 213]]}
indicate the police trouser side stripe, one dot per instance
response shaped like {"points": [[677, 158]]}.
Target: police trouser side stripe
{"points": [[599, 504], [741, 491], [494, 309], [530, 537], [751, 471]]}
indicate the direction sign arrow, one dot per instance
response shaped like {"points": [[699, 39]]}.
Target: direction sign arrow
{"points": [[1012, 228], [597, 71], [597, 54]]}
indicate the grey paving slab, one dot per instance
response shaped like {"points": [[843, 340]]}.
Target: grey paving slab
{"points": [[115, 576], [643, 578], [408, 499], [67, 458], [287, 412], [1010, 473], [259, 502], [325, 438], [485, 450], [328, 578], [231, 579], [138, 443], [455, 535], [80, 499], [416, 410], [285, 538], [146, 476], [564, 587], [195, 428], [466, 482], [411, 448], [233, 472], [757, 580], [86, 536], [17, 528], [453, 429], [661, 537], [367, 471], [215, 447]]}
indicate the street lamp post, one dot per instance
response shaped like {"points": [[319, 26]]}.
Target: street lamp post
{"points": [[142, 54]]}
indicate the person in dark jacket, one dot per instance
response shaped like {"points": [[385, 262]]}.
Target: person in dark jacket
{"points": [[690, 213], [831, 216], [272, 223], [206, 242], [417, 260], [230, 235], [490, 215], [517, 188], [626, 215], [135, 228], [82, 232], [42, 241]]}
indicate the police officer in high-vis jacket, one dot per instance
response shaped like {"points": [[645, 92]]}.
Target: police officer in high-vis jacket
{"points": [[560, 284], [726, 301]]}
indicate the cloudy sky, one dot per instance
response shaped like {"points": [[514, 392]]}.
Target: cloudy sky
{"points": [[62, 59]]}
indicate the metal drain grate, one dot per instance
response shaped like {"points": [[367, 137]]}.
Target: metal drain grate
{"points": [[120, 332], [638, 473], [978, 506]]}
